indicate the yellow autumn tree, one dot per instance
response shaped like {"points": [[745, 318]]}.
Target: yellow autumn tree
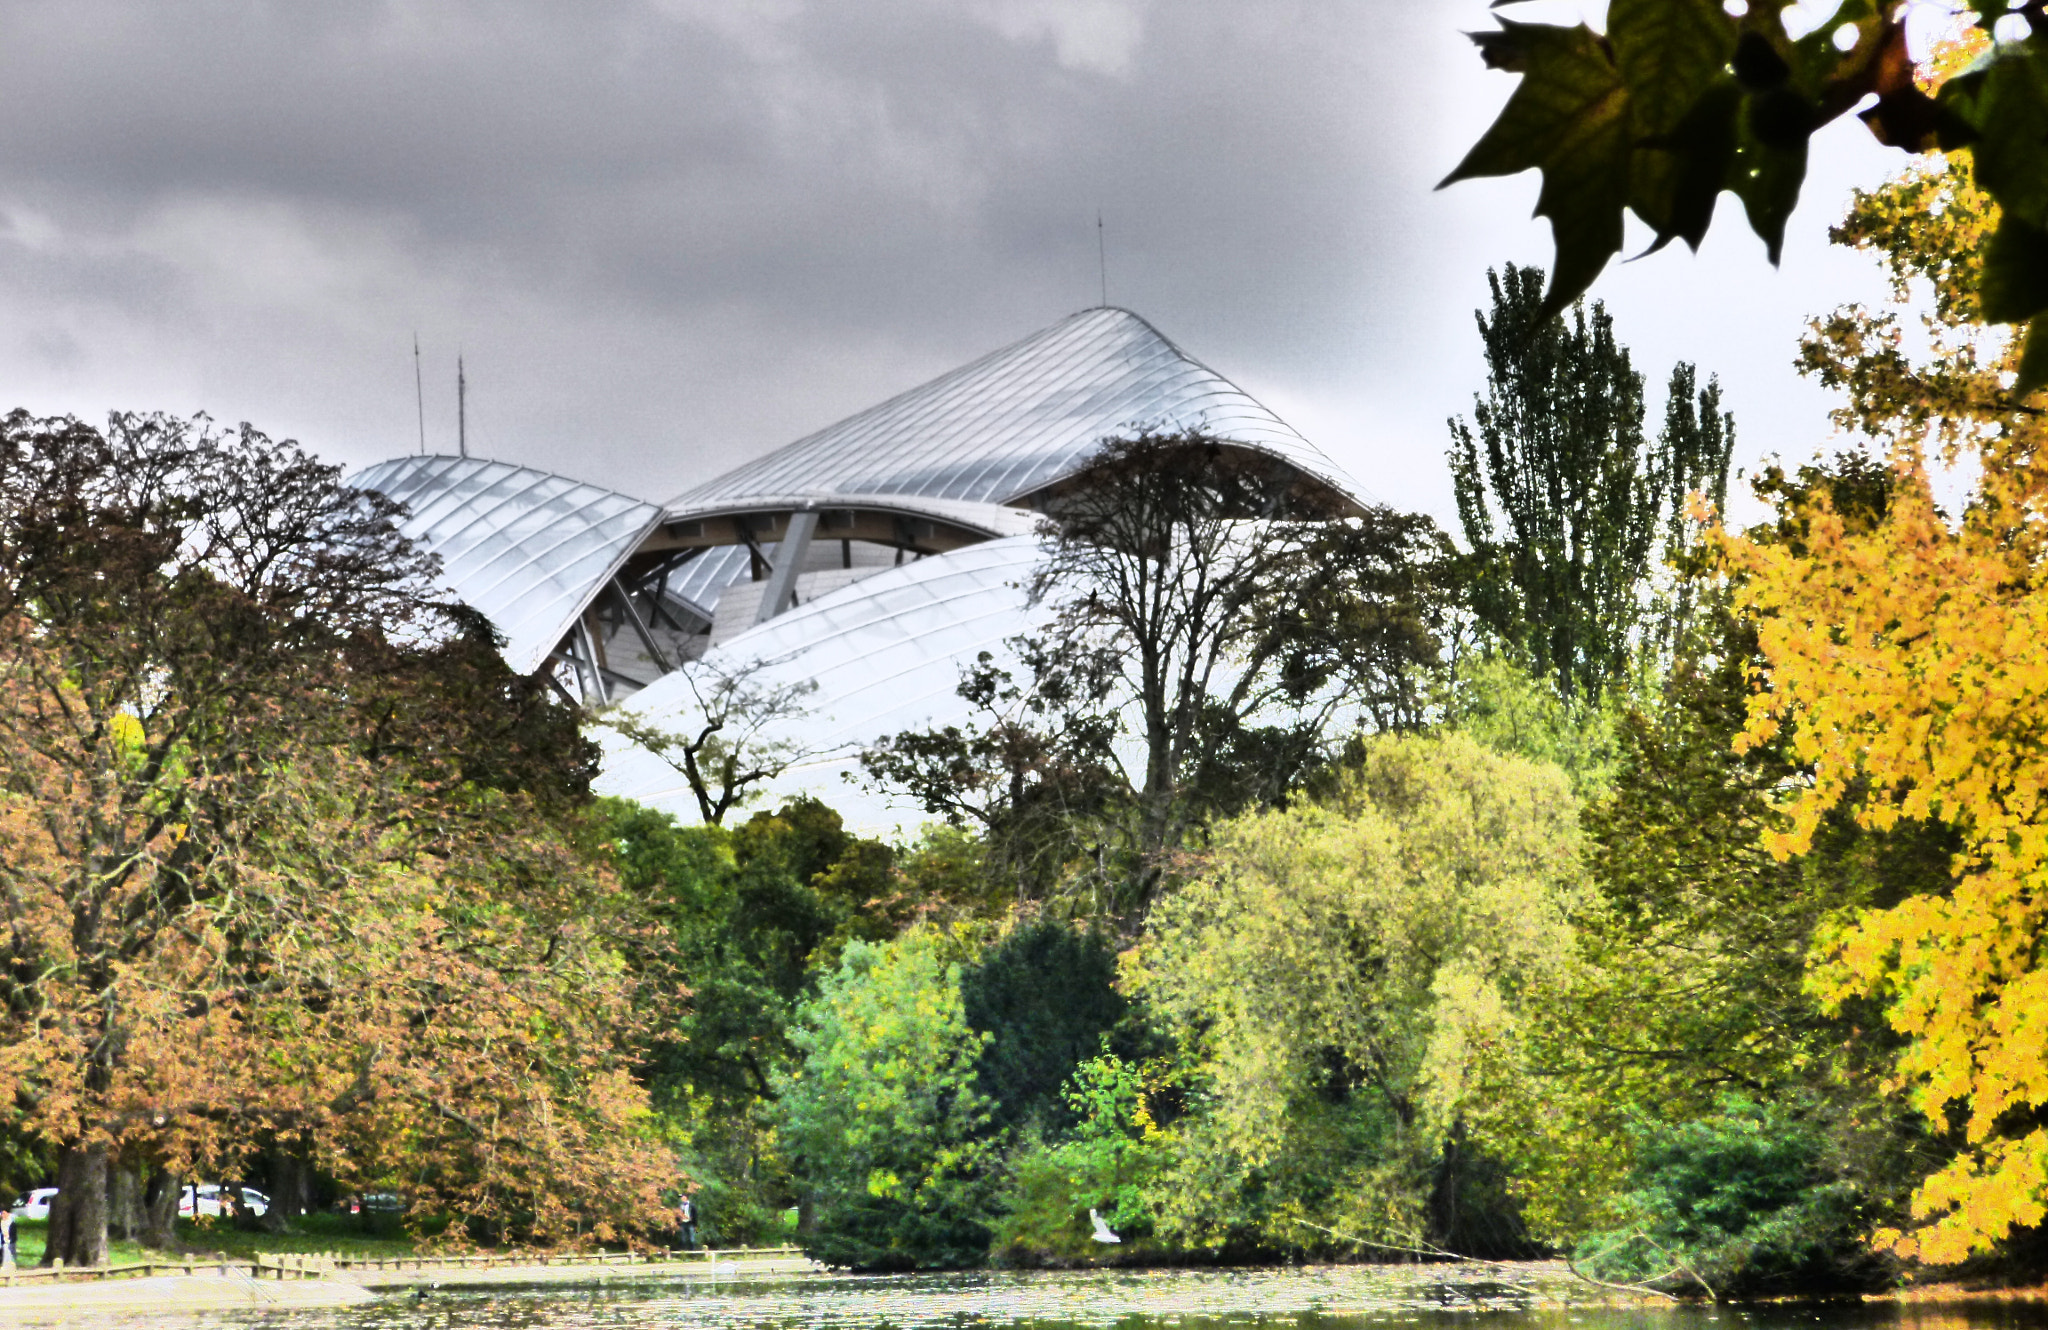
{"points": [[1907, 662]]}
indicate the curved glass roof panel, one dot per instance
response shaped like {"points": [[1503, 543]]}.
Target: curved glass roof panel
{"points": [[886, 654], [701, 579], [527, 549], [1020, 419]]}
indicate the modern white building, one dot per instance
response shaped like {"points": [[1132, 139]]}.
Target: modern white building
{"points": [[872, 560]]}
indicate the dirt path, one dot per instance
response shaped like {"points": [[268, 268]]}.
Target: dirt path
{"points": [[86, 1303]]}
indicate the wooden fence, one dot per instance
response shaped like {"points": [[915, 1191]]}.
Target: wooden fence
{"points": [[258, 1268], [338, 1261]]}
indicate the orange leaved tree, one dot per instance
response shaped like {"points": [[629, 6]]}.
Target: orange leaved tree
{"points": [[285, 855]]}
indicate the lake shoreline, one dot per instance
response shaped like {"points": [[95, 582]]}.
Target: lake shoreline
{"points": [[58, 1303], [83, 1302]]}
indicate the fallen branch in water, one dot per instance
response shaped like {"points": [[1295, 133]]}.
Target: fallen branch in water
{"points": [[1627, 1288], [1679, 1263], [1431, 1249]]}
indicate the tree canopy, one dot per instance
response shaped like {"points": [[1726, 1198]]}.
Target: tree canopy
{"points": [[285, 850], [1345, 975], [1569, 510]]}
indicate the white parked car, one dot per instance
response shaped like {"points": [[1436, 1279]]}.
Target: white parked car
{"points": [[203, 1201], [35, 1205], [193, 1202]]}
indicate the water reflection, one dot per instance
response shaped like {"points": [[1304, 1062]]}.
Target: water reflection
{"points": [[1311, 1298]]}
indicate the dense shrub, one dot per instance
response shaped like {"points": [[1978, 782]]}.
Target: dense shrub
{"points": [[1111, 1162], [887, 1138], [1739, 1204], [1044, 995]]}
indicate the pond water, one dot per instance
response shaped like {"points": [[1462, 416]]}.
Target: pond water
{"points": [[1306, 1298]]}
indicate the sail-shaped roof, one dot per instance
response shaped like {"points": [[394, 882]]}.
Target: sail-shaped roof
{"points": [[527, 549], [1018, 420]]}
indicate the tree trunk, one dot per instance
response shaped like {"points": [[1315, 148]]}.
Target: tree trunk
{"points": [[160, 1211], [78, 1213], [124, 1202], [247, 1220], [290, 1186]]}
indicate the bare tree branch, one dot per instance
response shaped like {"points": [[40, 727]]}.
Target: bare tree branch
{"points": [[745, 732]]}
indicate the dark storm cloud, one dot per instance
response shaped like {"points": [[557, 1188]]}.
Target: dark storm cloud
{"points": [[671, 235]]}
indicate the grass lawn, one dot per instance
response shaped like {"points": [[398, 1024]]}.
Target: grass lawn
{"points": [[209, 1238]]}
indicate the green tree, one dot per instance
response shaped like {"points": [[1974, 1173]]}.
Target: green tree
{"points": [[1044, 996], [1034, 774], [738, 739], [1501, 705], [1109, 1159], [1186, 576], [1234, 619], [881, 1121], [1693, 947], [1345, 979], [752, 916], [1566, 507], [1739, 1203]]}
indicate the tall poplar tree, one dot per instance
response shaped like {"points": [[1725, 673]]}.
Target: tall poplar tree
{"points": [[1566, 505]]}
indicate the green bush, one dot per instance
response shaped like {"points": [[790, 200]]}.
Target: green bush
{"points": [[1739, 1204], [1109, 1163], [863, 1231], [1045, 995], [884, 1130]]}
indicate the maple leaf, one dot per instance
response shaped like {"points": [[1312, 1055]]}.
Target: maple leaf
{"points": [[1681, 100], [1570, 120], [1669, 52], [2015, 282]]}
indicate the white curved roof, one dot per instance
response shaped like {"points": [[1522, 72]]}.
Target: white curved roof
{"points": [[886, 653], [1018, 420], [527, 549]]}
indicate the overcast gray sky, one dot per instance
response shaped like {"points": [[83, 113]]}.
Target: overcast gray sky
{"points": [[669, 235]]}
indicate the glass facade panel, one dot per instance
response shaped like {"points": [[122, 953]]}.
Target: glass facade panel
{"points": [[527, 549], [886, 654]]}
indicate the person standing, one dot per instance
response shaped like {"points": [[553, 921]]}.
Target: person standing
{"points": [[8, 1259], [686, 1221]]}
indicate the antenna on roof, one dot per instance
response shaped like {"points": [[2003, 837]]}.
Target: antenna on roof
{"points": [[1102, 255], [461, 409], [419, 391]]}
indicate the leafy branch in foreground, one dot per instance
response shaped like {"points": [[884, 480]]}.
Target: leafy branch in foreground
{"points": [[1680, 100]]}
